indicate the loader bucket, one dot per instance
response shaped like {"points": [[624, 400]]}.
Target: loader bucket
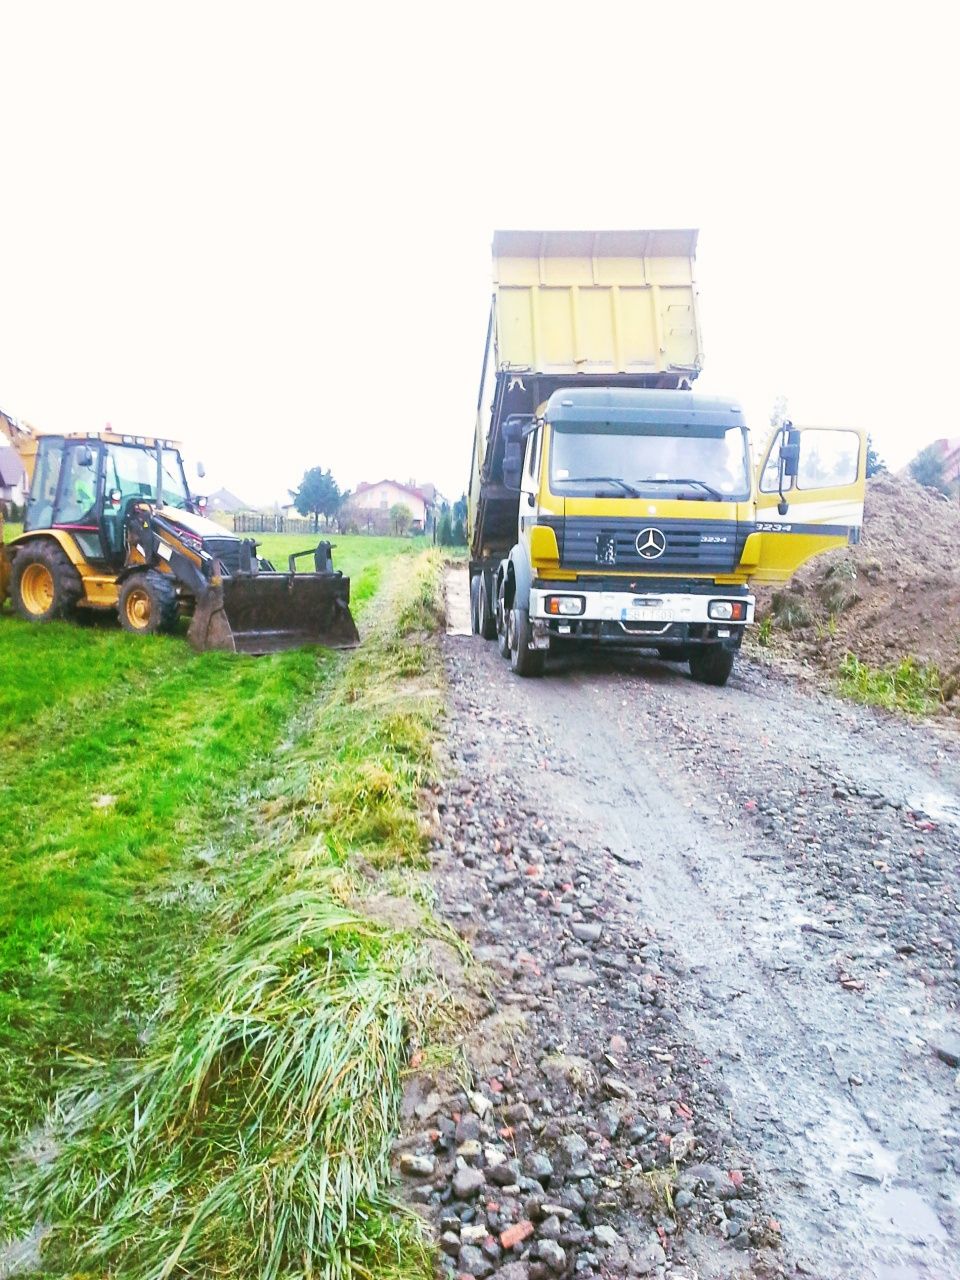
{"points": [[266, 612]]}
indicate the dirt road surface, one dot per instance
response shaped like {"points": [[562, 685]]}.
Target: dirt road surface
{"points": [[799, 858]]}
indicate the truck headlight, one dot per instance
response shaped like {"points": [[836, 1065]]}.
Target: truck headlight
{"points": [[727, 610], [565, 606]]}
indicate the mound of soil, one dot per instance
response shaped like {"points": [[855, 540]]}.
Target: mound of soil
{"points": [[895, 594]]}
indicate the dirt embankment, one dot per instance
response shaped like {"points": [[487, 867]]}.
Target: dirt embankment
{"points": [[896, 593]]}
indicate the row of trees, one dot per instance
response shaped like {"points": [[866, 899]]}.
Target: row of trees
{"points": [[452, 525], [320, 495]]}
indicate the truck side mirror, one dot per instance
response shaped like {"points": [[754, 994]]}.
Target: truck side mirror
{"points": [[788, 463], [201, 470], [512, 467], [790, 453]]}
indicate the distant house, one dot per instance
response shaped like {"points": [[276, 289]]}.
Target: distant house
{"points": [[227, 502], [376, 500], [13, 477]]}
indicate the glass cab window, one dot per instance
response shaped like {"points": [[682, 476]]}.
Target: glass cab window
{"points": [[43, 489], [77, 493], [131, 471], [648, 461], [828, 459]]}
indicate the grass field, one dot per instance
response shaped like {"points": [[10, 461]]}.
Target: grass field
{"points": [[167, 822]]}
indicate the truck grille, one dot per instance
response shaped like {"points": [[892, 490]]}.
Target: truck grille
{"points": [[708, 546]]}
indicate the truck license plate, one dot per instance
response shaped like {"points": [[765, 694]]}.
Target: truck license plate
{"points": [[646, 613]]}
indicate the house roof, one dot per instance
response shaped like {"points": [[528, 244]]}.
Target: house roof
{"points": [[12, 471], [224, 500], [420, 493]]}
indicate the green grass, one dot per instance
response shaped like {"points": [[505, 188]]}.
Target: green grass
{"points": [[904, 686], [119, 753], [195, 968]]}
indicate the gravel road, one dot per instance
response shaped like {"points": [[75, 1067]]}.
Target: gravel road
{"points": [[799, 859]]}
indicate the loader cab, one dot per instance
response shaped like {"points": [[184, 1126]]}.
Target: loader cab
{"points": [[86, 488]]}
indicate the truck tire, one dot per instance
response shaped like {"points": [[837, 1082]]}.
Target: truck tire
{"points": [[475, 587], [148, 603], [503, 629], [524, 661], [486, 618], [711, 665], [44, 585]]}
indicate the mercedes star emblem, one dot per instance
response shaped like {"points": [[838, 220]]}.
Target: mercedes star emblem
{"points": [[650, 544]]}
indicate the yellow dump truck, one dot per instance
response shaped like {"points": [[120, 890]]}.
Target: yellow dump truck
{"points": [[610, 504]]}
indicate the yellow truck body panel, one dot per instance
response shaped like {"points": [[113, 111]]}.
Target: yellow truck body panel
{"points": [[596, 302]]}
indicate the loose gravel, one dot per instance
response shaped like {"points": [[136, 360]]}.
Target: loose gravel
{"points": [[718, 937]]}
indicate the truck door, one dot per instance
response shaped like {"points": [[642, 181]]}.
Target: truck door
{"points": [[529, 483], [810, 498]]}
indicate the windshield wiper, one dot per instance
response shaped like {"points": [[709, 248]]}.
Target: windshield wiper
{"points": [[627, 488], [707, 488]]}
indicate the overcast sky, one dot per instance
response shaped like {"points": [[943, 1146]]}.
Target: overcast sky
{"points": [[265, 228]]}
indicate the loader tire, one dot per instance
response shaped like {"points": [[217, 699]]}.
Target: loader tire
{"points": [[148, 603], [44, 585], [711, 665]]}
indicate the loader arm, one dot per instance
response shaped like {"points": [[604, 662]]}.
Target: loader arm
{"points": [[23, 438]]}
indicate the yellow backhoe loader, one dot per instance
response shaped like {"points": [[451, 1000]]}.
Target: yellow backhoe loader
{"points": [[110, 525]]}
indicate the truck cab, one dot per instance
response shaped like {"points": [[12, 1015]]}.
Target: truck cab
{"points": [[638, 523]]}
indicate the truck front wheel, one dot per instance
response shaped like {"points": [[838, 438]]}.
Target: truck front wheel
{"points": [[523, 660], [711, 665]]}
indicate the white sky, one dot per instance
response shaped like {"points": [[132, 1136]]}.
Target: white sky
{"points": [[265, 228]]}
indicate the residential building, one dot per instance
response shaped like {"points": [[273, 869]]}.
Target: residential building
{"points": [[228, 503], [13, 478], [375, 501]]}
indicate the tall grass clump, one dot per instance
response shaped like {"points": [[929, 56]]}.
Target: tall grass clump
{"points": [[251, 1137], [904, 686]]}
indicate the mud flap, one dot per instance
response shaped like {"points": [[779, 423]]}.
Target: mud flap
{"points": [[267, 612]]}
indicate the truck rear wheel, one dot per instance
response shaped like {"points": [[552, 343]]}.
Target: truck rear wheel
{"points": [[44, 585], [148, 603], [503, 626], [711, 665], [523, 660], [486, 618]]}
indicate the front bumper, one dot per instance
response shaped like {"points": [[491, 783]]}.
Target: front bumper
{"points": [[651, 609], [656, 619]]}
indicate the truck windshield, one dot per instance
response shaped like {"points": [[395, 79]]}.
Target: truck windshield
{"points": [[132, 469], [587, 458]]}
